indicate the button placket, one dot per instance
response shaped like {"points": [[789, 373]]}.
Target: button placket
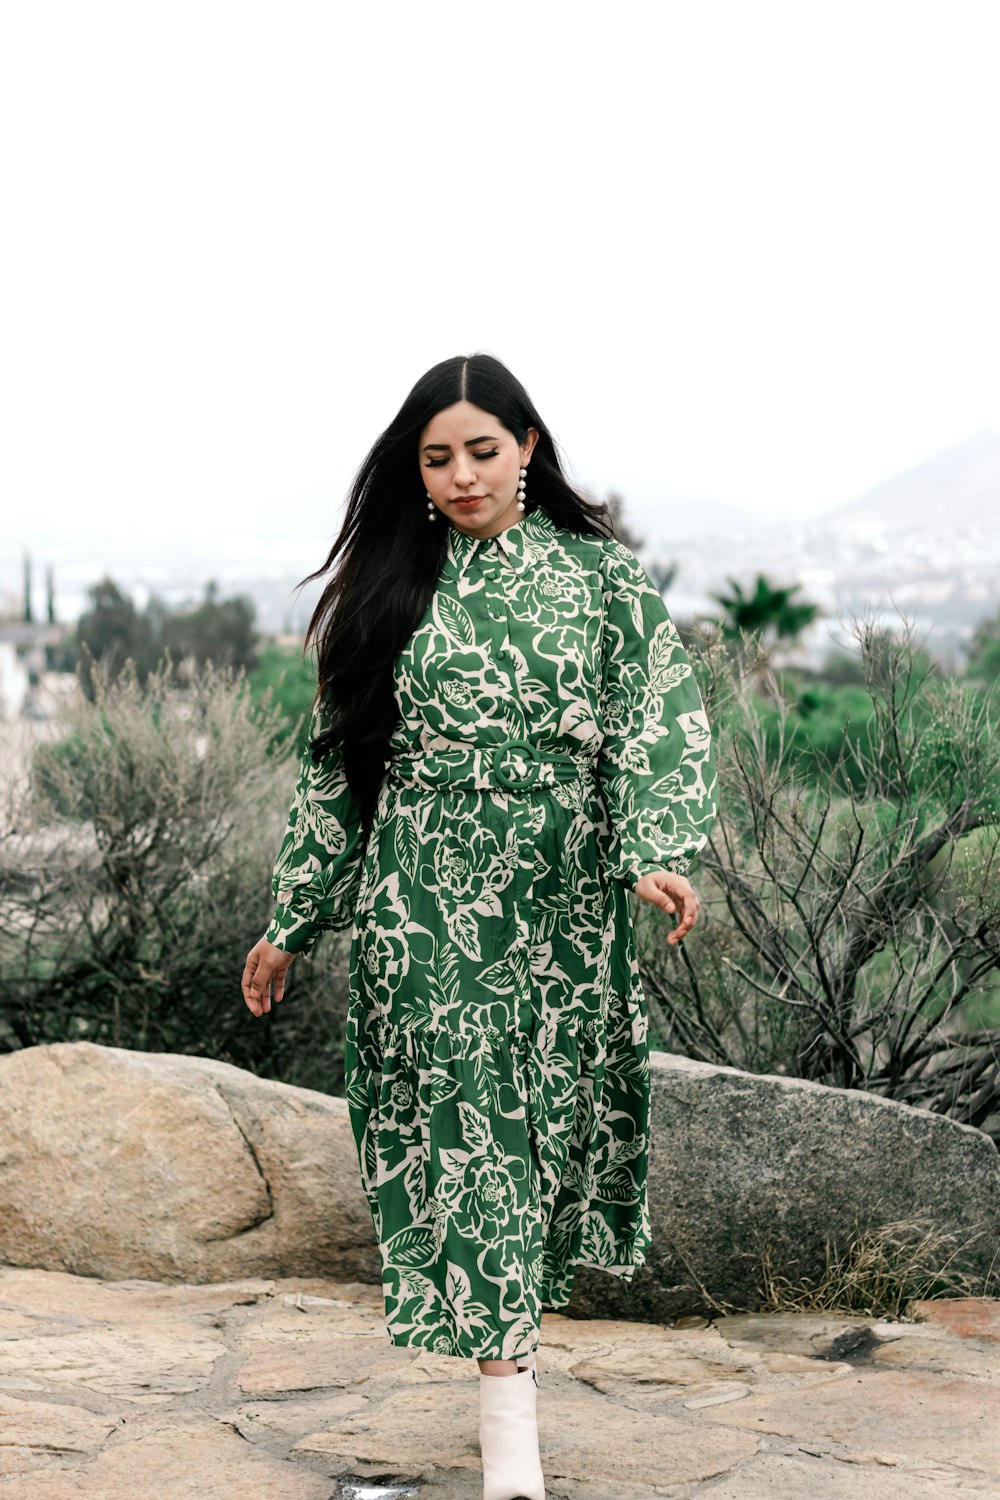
{"points": [[505, 655], [507, 569], [495, 603], [492, 565]]}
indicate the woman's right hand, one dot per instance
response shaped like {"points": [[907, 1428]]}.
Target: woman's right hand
{"points": [[265, 964]]}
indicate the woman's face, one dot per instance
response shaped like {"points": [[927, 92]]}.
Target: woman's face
{"points": [[467, 456]]}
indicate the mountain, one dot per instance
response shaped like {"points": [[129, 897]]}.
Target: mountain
{"points": [[956, 488]]}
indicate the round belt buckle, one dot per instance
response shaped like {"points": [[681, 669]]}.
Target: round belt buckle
{"points": [[514, 779]]}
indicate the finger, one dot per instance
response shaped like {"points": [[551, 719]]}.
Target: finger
{"points": [[688, 918], [684, 926], [658, 897], [260, 987], [253, 1001], [246, 985], [252, 1004], [279, 985]]}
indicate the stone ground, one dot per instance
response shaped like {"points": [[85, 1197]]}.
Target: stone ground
{"points": [[290, 1390]]}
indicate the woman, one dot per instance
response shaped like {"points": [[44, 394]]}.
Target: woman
{"points": [[507, 738]]}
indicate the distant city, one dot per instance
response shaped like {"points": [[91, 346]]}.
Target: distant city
{"points": [[925, 543]]}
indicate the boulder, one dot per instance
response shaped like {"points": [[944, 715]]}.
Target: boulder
{"points": [[128, 1164], [743, 1164], [125, 1164]]}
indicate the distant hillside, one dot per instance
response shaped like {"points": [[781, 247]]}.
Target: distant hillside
{"points": [[959, 487]]}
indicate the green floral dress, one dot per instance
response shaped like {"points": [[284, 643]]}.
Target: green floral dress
{"points": [[551, 747]]}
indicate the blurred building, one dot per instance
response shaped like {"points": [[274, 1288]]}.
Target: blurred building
{"points": [[29, 649]]}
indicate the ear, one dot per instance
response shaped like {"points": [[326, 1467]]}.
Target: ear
{"points": [[531, 438]]}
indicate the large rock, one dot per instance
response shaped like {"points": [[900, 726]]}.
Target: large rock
{"points": [[124, 1164], [131, 1164], [742, 1162]]}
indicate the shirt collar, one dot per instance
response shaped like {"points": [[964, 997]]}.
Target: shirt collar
{"points": [[523, 543]]}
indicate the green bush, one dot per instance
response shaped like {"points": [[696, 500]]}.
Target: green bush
{"points": [[850, 923], [135, 872]]}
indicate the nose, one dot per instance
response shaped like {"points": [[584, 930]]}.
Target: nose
{"points": [[464, 473]]}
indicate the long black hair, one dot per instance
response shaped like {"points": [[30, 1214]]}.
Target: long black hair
{"points": [[385, 561]]}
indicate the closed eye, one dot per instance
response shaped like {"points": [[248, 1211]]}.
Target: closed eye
{"points": [[435, 463]]}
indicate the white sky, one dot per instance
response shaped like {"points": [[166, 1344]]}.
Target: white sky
{"points": [[744, 250]]}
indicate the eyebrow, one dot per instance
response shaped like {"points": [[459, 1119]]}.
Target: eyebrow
{"points": [[470, 444]]}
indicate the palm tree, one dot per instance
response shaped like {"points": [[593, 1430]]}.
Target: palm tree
{"points": [[754, 625], [767, 609]]}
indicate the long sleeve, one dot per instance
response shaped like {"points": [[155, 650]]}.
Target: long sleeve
{"points": [[656, 761], [317, 873]]}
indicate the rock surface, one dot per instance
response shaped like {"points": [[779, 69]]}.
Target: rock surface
{"points": [[117, 1164], [290, 1390], [741, 1160]]}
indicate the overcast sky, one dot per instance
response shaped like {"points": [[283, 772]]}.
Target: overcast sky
{"points": [[741, 251]]}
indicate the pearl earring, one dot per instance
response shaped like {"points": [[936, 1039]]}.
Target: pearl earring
{"points": [[431, 507], [520, 489]]}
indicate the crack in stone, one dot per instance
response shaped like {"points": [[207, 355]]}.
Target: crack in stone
{"points": [[269, 1212]]}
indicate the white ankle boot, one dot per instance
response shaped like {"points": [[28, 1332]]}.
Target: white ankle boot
{"points": [[508, 1437]]}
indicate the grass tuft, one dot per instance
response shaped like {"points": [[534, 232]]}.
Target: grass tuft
{"points": [[877, 1274]]}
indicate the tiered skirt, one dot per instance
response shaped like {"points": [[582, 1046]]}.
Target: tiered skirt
{"points": [[496, 1062]]}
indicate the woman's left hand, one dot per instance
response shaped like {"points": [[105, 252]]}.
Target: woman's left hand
{"points": [[671, 893]]}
